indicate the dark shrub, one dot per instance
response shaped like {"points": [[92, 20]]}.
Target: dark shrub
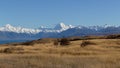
{"points": [[113, 37], [56, 42], [27, 43], [13, 49], [64, 41], [85, 43], [8, 50]]}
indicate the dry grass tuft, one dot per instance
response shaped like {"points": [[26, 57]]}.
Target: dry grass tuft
{"points": [[12, 50], [86, 43]]}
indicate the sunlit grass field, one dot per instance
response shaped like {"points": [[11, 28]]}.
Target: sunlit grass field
{"points": [[104, 53]]}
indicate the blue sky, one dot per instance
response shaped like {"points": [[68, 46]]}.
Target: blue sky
{"points": [[34, 13]]}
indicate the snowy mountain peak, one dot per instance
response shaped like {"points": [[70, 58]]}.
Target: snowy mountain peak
{"points": [[71, 26], [61, 26], [42, 27], [8, 26]]}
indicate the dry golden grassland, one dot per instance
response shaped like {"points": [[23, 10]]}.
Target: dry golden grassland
{"points": [[104, 53]]}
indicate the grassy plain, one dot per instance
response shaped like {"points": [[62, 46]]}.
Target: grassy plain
{"points": [[104, 53]]}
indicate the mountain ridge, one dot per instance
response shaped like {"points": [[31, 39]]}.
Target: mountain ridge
{"points": [[60, 30], [57, 28]]}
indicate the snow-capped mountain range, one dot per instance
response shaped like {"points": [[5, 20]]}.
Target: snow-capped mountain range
{"points": [[10, 28], [58, 28], [9, 32]]}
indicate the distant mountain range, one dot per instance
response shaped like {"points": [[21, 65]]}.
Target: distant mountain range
{"points": [[9, 32]]}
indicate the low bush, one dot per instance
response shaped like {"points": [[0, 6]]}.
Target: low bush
{"points": [[85, 43], [113, 37], [12, 49], [64, 42], [8, 50], [56, 42], [27, 43]]}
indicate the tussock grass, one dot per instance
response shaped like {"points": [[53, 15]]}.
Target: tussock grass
{"points": [[52, 61], [12, 50], [86, 43], [105, 53]]}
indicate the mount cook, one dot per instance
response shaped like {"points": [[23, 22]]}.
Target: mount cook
{"points": [[9, 32]]}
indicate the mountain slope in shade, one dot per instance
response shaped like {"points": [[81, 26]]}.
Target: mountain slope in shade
{"points": [[9, 32]]}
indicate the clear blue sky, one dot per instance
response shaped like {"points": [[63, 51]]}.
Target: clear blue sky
{"points": [[34, 13]]}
